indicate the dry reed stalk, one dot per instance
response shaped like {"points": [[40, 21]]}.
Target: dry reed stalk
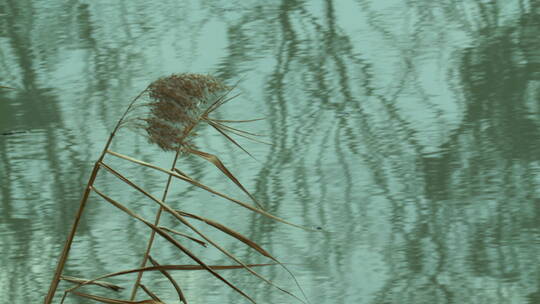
{"points": [[173, 107]]}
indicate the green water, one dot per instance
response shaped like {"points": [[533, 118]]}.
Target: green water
{"points": [[408, 130]]}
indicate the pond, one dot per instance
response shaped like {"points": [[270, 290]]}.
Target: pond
{"points": [[409, 131]]}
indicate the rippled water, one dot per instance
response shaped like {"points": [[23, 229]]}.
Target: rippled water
{"points": [[409, 130]]}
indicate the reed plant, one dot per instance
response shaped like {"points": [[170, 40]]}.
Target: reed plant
{"points": [[168, 112]]}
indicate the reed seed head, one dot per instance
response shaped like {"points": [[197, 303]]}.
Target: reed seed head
{"points": [[176, 104]]}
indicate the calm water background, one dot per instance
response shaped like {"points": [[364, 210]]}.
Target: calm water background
{"points": [[409, 130]]}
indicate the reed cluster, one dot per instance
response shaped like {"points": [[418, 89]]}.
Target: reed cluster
{"points": [[169, 111]]}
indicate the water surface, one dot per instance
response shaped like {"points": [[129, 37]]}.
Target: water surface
{"points": [[408, 130]]}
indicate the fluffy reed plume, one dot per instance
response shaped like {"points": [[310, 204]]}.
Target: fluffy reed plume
{"points": [[177, 103], [169, 110]]}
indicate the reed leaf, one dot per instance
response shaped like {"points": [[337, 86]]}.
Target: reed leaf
{"points": [[231, 140], [230, 232], [217, 162], [113, 301], [202, 243], [236, 121], [97, 283], [245, 134]]}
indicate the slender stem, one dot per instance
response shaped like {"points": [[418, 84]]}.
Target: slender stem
{"points": [[153, 233], [67, 246]]}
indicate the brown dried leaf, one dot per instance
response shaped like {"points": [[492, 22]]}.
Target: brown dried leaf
{"points": [[113, 301], [202, 243], [232, 140], [98, 283], [236, 121], [217, 162], [230, 232]]}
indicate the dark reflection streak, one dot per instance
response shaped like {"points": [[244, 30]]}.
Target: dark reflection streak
{"points": [[346, 91], [486, 11], [126, 24], [323, 214], [278, 156], [20, 43], [500, 221], [437, 237], [389, 102], [7, 183], [522, 6], [87, 94], [227, 70], [310, 123], [22, 50], [343, 123], [300, 141], [22, 47], [497, 236], [508, 223], [453, 10], [97, 80], [372, 20], [426, 19], [7, 211]]}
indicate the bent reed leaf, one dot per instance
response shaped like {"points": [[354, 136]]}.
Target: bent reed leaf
{"points": [[217, 162], [202, 243], [230, 232], [231, 140], [237, 131]]}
